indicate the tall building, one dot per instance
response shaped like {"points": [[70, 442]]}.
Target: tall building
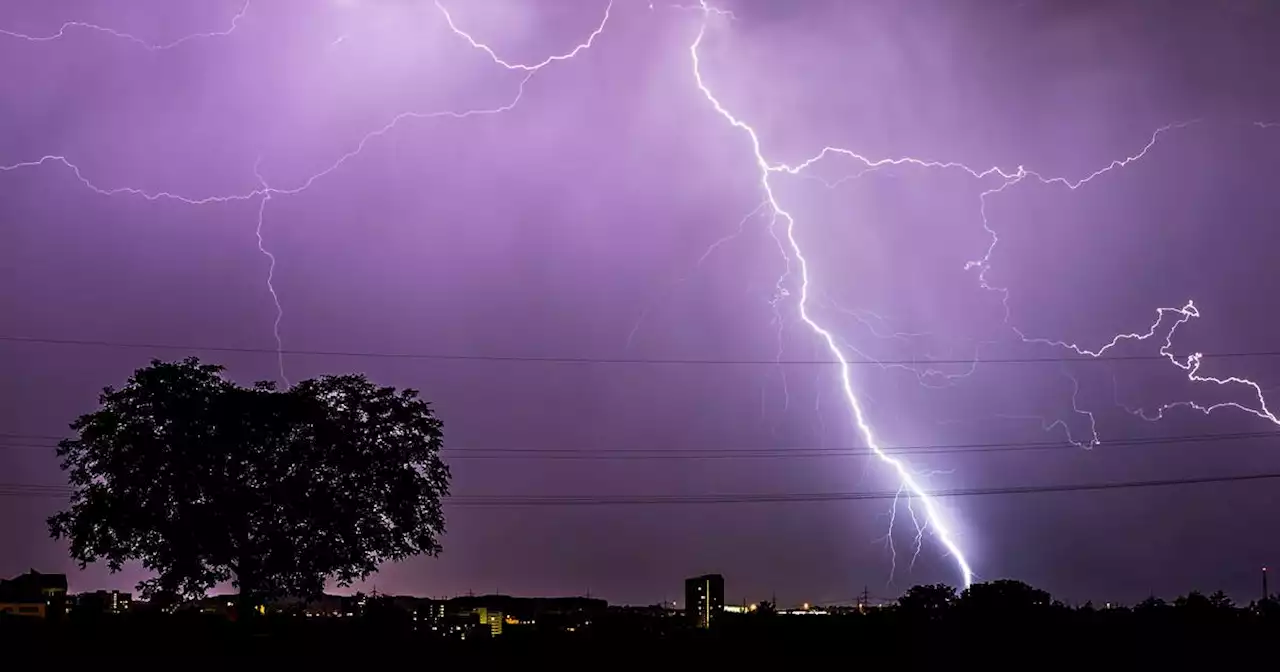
{"points": [[490, 620], [104, 602], [34, 594], [704, 599]]}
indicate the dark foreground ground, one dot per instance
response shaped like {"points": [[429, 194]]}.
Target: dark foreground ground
{"points": [[1022, 642]]}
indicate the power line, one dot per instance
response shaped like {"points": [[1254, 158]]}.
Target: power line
{"points": [[605, 360], [487, 452], [34, 490], [820, 451]]}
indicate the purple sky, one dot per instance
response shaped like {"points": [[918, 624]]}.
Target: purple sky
{"points": [[577, 223]]}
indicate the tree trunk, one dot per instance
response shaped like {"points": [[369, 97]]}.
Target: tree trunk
{"points": [[246, 604]]}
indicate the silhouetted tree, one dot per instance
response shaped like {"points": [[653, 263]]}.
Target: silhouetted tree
{"points": [[1197, 606], [1193, 601], [927, 599], [204, 481], [766, 608], [1151, 604], [1268, 608], [1003, 596], [1219, 600], [383, 612]]}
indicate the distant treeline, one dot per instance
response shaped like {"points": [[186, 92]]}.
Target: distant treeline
{"points": [[1001, 622]]}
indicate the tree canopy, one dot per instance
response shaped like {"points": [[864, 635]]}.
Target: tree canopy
{"points": [[205, 481], [1005, 595], [927, 599]]}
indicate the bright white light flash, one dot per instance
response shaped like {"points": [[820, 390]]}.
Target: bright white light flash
{"points": [[910, 484], [905, 476], [929, 518]]}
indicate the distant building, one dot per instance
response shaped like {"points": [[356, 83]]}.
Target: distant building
{"points": [[430, 611], [34, 594], [806, 610], [491, 620], [547, 613], [104, 602], [314, 606], [704, 599]]}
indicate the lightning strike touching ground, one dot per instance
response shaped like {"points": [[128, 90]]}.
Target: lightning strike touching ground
{"points": [[149, 46], [1007, 179], [922, 507], [905, 476], [271, 271]]}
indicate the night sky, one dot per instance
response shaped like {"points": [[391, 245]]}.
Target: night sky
{"points": [[562, 197]]}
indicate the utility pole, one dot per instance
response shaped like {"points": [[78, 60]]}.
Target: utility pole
{"points": [[1266, 595], [864, 600]]}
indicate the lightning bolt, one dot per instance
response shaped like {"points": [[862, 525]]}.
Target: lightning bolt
{"points": [[905, 476], [529, 71], [264, 191], [694, 8], [130, 191], [711, 249], [1190, 364], [922, 507], [1007, 179], [522, 66], [1049, 425], [271, 271], [149, 46], [910, 486], [983, 264]]}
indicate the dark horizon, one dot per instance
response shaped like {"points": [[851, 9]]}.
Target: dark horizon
{"points": [[559, 235], [871, 599]]}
